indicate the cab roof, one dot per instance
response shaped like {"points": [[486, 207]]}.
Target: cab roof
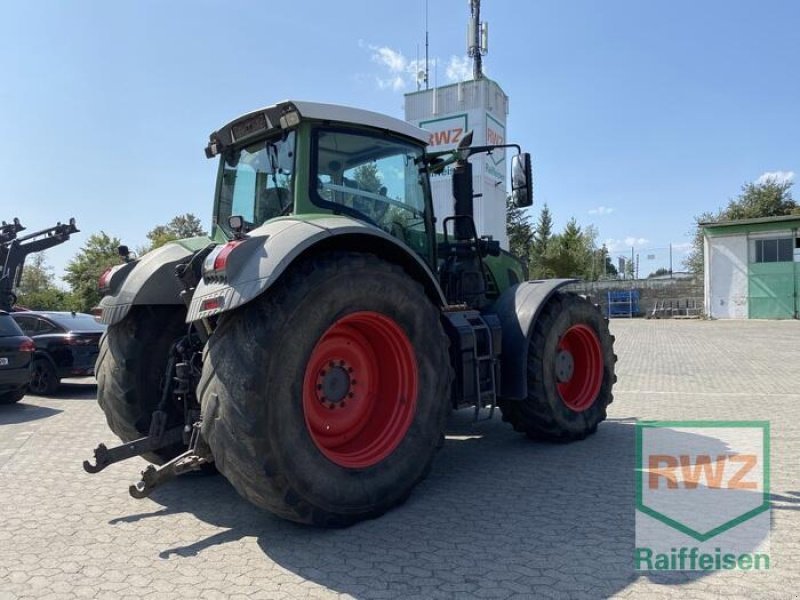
{"points": [[284, 115]]}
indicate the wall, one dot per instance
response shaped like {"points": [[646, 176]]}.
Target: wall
{"points": [[651, 291], [726, 265]]}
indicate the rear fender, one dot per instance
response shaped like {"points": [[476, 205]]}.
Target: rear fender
{"points": [[517, 308], [257, 263], [148, 280], [40, 355]]}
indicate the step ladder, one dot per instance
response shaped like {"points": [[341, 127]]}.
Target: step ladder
{"points": [[485, 365]]}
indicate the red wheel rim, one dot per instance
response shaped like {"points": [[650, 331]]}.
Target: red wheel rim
{"points": [[360, 389], [579, 367]]}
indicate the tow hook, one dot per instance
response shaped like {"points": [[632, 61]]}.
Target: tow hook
{"points": [[157, 438]]}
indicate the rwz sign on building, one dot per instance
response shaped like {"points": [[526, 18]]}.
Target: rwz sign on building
{"points": [[496, 135], [446, 132]]}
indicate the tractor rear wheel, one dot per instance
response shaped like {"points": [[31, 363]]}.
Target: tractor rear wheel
{"points": [[570, 372], [130, 372], [324, 400]]}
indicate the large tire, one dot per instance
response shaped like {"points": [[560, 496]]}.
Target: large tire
{"points": [[570, 372], [12, 396], [44, 378], [359, 330], [130, 372]]}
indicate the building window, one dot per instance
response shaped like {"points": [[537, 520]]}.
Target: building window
{"points": [[774, 250]]}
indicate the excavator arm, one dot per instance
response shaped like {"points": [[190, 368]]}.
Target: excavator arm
{"points": [[14, 250]]}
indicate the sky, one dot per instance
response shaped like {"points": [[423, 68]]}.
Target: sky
{"points": [[638, 114]]}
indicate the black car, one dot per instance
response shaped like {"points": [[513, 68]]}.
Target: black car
{"points": [[16, 360], [66, 346]]}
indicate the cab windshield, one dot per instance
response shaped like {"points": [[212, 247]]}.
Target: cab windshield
{"points": [[257, 182], [375, 179]]}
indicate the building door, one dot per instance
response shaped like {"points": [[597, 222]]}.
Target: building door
{"points": [[773, 280]]}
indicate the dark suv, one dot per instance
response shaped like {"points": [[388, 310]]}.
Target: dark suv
{"points": [[16, 359], [66, 346]]}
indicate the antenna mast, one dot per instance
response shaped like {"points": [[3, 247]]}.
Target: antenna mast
{"points": [[427, 78], [477, 39]]}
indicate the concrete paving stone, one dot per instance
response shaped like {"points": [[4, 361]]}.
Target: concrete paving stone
{"points": [[498, 515], [84, 591], [493, 591]]}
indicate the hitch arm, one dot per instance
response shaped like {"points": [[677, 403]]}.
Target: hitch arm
{"points": [[152, 476], [104, 456]]}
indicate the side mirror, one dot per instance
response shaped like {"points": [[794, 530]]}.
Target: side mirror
{"points": [[236, 223], [521, 180]]}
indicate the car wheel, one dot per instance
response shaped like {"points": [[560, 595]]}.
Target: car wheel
{"points": [[44, 380]]}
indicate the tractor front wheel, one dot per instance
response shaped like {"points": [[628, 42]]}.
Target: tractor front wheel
{"points": [[570, 372], [324, 400]]}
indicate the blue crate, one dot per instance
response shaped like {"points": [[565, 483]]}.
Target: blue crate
{"points": [[623, 303]]}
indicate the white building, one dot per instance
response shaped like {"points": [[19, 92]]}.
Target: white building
{"points": [[752, 268], [449, 113]]}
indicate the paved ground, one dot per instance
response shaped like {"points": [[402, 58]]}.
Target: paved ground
{"points": [[499, 517]]}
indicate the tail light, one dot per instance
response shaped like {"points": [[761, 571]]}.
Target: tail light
{"points": [[216, 263], [73, 340], [27, 345], [105, 278], [104, 282]]}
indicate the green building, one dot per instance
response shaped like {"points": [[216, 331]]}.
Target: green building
{"points": [[752, 268]]}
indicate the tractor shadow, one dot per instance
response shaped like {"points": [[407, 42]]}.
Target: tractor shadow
{"points": [[498, 515]]}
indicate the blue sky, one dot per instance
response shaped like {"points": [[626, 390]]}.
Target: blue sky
{"points": [[639, 114]]}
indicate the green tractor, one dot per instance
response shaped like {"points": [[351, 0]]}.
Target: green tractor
{"points": [[312, 348]]}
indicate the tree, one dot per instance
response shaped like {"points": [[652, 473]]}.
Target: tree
{"points": [[769, 198], [659, 272], [368, 178], [602, 268], [520, 231], [694, 260], [83, 272], [611, 270], [628, 274], [570, 253], [37, 289], [179, 228], [542, 235]]}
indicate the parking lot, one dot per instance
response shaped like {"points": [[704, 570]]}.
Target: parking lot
{"points": [[499, 516]]}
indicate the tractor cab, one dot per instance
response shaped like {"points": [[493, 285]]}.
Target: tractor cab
{"points": [[300, 158], [305, 159]]}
